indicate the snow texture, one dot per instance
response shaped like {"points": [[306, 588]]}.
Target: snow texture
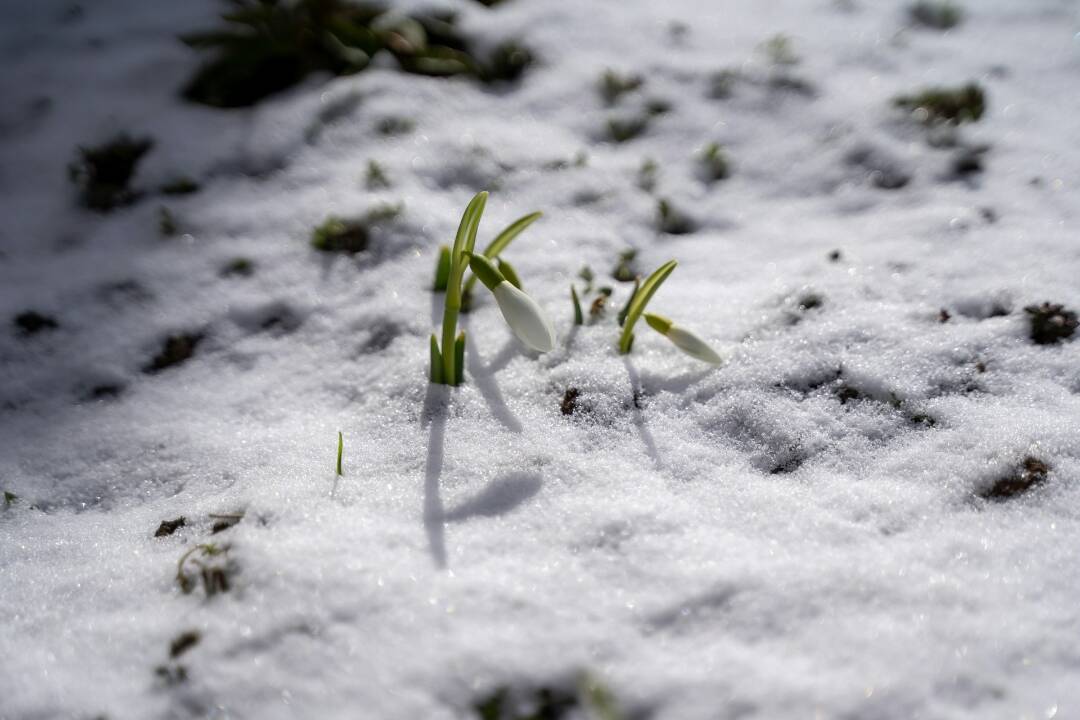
{"points": [[799, 533]]}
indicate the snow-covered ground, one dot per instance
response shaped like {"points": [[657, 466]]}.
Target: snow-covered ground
{"points": [[799, 533]]}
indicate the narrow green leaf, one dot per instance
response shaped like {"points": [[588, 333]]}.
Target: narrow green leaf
{"points": [[442, 269], [340, 448], [626, 308], [509, 233], [436, 362], [579, 319], [641, 299], [470, 221], [459, 358]]}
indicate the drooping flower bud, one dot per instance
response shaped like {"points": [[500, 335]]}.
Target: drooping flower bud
{"points": [[528, 322], [683, 339]]}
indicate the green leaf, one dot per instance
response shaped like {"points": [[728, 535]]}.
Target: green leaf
{"points": [[436, 362], [503, 239], [340, 448], [626, 308], [640, 300], [579, 319], [459, 358], [442, 269], [470, 221]]}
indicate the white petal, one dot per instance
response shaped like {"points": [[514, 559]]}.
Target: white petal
{"points": [[525, 317], [693, 346]]}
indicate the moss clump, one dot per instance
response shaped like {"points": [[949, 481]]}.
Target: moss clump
{"points": [[935, 14], [341, 235], [266, 46], [613, 85], [180, 186], [624, 129], [32, 322], [625, 268], [941, 105], [238, 267], [176, 350], [1031, 472], [714, 163], [103, 173], [1051, 323], [673, 221]]}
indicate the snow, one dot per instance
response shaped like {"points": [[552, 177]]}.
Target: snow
{"points": [[734, 542]]}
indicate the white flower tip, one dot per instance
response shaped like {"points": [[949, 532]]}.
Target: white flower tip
{"points": [[693, 346], [525, 317]]}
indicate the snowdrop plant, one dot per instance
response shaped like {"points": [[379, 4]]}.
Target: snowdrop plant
{"points": [[521, 312], [682, 338]]}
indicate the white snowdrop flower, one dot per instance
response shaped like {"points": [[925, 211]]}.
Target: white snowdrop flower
{"points": [[529, 323], [683, 339]]}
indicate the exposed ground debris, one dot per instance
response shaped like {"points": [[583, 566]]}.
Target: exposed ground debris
{"points": [[168, 527], [1031, 472], [103, 173], [176, 350], [1051, 323]]}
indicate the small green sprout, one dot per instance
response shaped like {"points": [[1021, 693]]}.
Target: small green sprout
{"points": [[625, 270], [671, 220], [340, 235], [579, 319], [714, 163], [779, 51], [936, 14], [614, 85], [167, 222], [375, 178], [647, 175], [9, 498], [638, 302], [941, 105], [340, 449], [442, 269], [626, 308], [586, 274], [395, 125], [624, 129], [683, 339]]}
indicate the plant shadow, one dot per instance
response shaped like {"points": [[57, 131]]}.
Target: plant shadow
{"points": [[434, 417], [498, 497], [483, 376], [639, 417]]}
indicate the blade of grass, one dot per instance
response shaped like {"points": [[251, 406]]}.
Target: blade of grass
{"points": [[579, 319], [340, 448], [641, 299]]}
